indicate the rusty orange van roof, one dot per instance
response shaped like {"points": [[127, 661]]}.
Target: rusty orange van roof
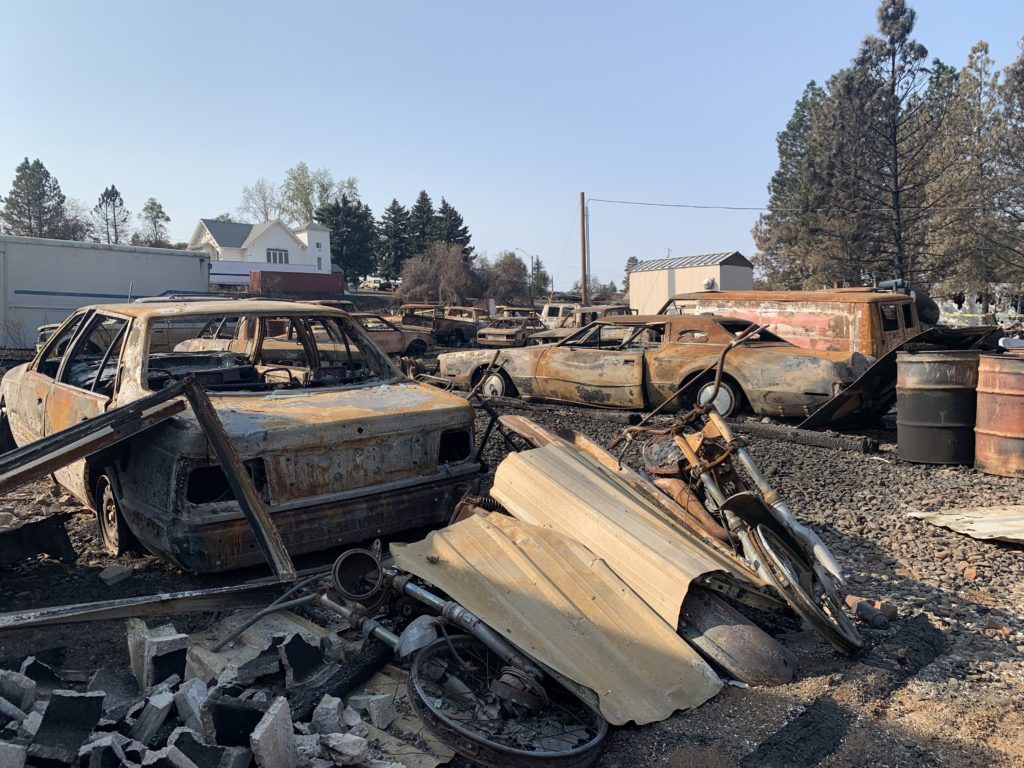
{"points": [[844, 295]]}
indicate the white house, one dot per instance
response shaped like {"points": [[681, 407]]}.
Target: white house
{"points": [[237, 249]]}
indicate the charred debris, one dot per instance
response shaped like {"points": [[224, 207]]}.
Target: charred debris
{"points": [[579, 594]]}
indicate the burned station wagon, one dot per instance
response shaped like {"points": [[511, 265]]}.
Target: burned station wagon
{"points": [[341, 446], [638, 361]]}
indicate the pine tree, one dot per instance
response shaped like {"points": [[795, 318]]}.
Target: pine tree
{"points": [[394, 241], [421, 224], [449, 229], [631, 262], [35, 205], [111, 217], [353, 236]]}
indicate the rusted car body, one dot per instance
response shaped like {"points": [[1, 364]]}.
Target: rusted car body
{"points": [[507, 311], [447, 329], [509, 332], [341, 446], [863, 320], [554, 312], [394, 339], [639, 361], [580, 317]]}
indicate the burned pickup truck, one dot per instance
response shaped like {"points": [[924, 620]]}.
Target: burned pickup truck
{"points": [[339, 444]]}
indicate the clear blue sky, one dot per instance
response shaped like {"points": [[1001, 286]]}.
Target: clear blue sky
{"points": [[508, 110]]}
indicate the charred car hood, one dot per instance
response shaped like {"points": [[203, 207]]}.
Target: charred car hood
{"points": [[307, 418]]}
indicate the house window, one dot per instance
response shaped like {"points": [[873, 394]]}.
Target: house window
{"points": [[277, 256], [318, 246], [319, 263]]}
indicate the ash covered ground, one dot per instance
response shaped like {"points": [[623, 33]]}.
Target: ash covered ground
{"points": [[965, 706]]}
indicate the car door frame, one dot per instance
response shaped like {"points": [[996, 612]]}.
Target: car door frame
{"points": [[609, 378]]}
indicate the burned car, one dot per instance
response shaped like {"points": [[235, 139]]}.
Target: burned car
{"points": [[509, 332], [637, 362], [341, 446], [394, 339]]}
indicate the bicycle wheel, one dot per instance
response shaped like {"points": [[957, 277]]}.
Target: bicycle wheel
{"points": [[796, 581], [452, 689]]}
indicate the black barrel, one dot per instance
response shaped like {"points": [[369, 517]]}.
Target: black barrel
{"points": [[936, 406]]}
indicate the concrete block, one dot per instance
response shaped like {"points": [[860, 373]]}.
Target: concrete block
{"points": [[9, 712], [104, 752], [115, 574], [281, 624], [18, 689], [228, 720], [379, 706], [300, 660], [344, 748], [189, 702], [350, 717], [30, 725], [67, 723], [188, 743], [327, 716], [155, 653], [272, 741], [45, 678], [12, 755], [308, 747], [152, 718], [121, 691]]}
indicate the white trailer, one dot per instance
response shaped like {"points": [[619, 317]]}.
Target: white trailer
{"points": [[42, 281]]}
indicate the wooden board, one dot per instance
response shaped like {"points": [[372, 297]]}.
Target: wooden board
{"points": [[1003, 523]]}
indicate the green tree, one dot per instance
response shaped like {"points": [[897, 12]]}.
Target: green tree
{"points": [[508, 280], [304, 192], [154, 230], [1008, 198], [35, 205], [631, 262], [541, 280], [421, 224], [353, 236], [394, 240], [450, 229], [111, 217]]}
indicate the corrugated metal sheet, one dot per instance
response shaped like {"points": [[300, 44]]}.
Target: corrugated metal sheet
{"points": [[1001, 523], [559, 488], [554, 599], [679, 262]]}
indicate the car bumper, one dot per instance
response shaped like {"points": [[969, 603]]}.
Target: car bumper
{"points": [[487, 341], [225, 541]]}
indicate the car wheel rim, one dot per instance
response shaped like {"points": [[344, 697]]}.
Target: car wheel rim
{"points": [[724, 401], [108, 513], [494, 386]]}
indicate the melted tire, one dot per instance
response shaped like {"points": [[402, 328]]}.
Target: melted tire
{"points": [[433, 706]]}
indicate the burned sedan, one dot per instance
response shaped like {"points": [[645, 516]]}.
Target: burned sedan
{"points": [[509, 332], [637, 362], [341, 446]]}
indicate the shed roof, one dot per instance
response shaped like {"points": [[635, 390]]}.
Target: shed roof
{"points": [[733, 258]]}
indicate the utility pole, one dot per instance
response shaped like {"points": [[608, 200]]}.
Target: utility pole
{"points": [[583, 246]]}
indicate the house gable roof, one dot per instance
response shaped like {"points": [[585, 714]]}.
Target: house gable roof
{"points": [[227, 234], [730, 258], [259, 229]]}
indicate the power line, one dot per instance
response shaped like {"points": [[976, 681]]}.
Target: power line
{"points": [[694, 206], [677, 205]]}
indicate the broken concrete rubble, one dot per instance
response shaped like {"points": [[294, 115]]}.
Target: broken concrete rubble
{"points": [[69, 719], [188, 701], [344, 748], [273, 739], [18, 689], [152, 717], [155, 653]]}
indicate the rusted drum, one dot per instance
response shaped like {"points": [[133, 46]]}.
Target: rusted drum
{"points": [[999, 436], [936, 405]]}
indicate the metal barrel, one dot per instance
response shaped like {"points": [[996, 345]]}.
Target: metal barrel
{"points": [[999, 435], [936, 406]]}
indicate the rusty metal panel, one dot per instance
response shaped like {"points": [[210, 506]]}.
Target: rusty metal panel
{"points": [[935, 406], [40, 458], [999, 435], [551, 597], [999, 523], [559, 488]]}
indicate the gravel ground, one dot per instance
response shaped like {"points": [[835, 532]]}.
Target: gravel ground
{"points": [[965, 706]]}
